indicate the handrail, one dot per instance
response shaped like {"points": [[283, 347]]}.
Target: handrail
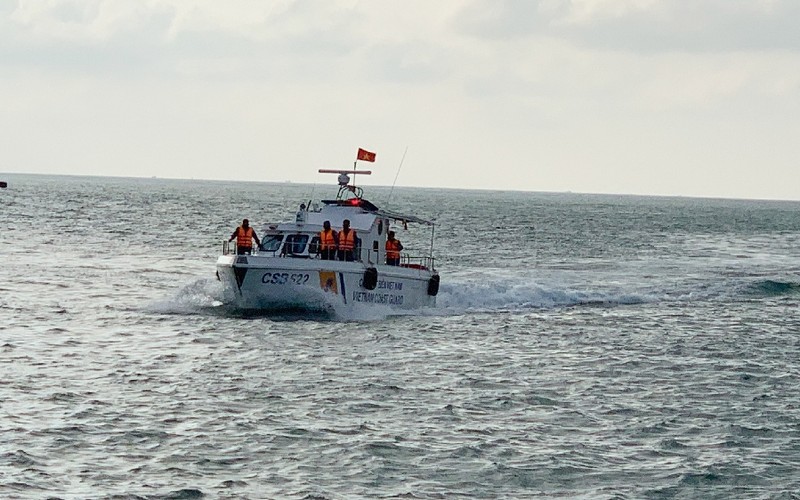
{"points": [[417, 262], [423, 262]]}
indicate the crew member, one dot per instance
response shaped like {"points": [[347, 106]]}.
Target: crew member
{"points": [[244, 236], [327, 241], [347, 242], [393, 247]]}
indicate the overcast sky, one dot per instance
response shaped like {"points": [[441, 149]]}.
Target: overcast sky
{"points": [[683, 97]]}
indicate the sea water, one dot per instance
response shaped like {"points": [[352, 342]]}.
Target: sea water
{"points": [[583, 346]]}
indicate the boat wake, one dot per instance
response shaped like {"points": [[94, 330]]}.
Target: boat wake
{"points": [[198, 296], [500, 295], [206, 297], [503, 296]]}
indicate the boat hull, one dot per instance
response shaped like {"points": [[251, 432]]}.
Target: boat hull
{"points": [[277, 283]]}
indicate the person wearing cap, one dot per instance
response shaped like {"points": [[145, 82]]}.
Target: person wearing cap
{"points": [[244, 236]]}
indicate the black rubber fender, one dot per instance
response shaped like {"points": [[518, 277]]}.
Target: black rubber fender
{"points": [[433, 285], [370, 278]]}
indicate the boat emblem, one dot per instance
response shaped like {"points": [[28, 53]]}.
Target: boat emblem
{"points": [[327, 281]]}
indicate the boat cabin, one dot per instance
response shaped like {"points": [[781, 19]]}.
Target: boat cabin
{"points": [[301, 238]]}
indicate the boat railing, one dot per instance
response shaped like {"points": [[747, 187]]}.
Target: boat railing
{"points": [[417, 262], [362, 255], [409, 261], [230, 248]]}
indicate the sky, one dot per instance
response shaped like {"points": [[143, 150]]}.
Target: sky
{"points": [[669, 97]]}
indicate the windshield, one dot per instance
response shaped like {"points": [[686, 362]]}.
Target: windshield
{"points": [[296, 243], [272, 244]]}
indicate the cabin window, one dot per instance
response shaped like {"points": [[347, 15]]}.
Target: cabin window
{"points": [[295, 243], [380, 227], [272, 244], [313, 247]]}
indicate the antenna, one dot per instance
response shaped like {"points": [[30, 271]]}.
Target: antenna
{"points": [[346, 172], [396, 175], [344, 180], [313, 188]]}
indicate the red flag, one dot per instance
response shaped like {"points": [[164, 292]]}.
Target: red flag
{"points": [[365, 155]]}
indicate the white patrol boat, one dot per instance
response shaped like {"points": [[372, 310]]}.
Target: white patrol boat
{"points": [[287, 271]]}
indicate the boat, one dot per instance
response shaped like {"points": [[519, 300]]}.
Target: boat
{"points": [[287, 271]]}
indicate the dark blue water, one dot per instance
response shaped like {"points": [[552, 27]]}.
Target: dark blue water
{"points": [[583, 346]]}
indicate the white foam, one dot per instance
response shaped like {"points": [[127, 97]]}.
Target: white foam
{"points": [[492, 292], [191, 298], [504, 295]]}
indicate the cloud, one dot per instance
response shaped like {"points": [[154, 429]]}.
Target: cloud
{"points": [[470, 43], [643, 26], [84, 22], [132, 37], [587, 95]]}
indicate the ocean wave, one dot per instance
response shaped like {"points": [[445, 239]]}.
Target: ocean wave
{"points": [[774, 288]]}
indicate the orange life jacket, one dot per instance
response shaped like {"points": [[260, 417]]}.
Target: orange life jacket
{"points": [[244, 238], [327, 239], [392, 249], [347, 241]]}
